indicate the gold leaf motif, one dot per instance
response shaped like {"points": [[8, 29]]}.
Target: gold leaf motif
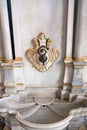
{"points": [[41, 56]]}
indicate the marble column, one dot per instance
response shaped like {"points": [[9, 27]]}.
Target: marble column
{"points": [[69, 36], [68, 60], [80, 55], [16, 31], [7, 64], [13, 69], [18, 62], [5, 31], [80, 50]]}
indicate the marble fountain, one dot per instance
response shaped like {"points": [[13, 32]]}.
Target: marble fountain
{"points": [[41, 113], [43, 88]]}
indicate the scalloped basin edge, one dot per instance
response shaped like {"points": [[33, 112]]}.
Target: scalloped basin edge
{"points": [[60, 124]]}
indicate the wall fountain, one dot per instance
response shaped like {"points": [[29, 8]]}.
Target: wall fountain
{"points": [[43, 84]]}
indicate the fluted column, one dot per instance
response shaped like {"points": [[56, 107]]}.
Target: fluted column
{"points": [[68, 60]]}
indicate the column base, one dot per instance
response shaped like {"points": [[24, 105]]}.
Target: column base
{"points": [[77, 78]]}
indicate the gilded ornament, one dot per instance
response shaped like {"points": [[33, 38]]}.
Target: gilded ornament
{"points": [[41, 56]]}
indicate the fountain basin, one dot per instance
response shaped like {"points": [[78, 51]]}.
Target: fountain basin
{"points": [[42, 113]]}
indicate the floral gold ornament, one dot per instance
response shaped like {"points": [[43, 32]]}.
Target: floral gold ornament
{"points": [[41, 56]]}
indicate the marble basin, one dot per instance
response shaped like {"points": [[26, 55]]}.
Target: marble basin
{"points": [[42, 113]]}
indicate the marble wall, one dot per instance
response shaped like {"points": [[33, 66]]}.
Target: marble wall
{"points": [[29, 19]]}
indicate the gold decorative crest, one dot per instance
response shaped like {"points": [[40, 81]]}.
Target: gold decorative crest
{"points": [[41, 56]]}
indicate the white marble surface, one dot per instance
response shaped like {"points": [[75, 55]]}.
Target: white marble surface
{"points": [[69, 36], [19, 78], [29, 21], [9, 78], [31, 115], [77, 78], [81, 33], [68, 76], [5, 30]]}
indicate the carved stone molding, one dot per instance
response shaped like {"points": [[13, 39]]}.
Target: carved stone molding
{"points": [[41, 56]]}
